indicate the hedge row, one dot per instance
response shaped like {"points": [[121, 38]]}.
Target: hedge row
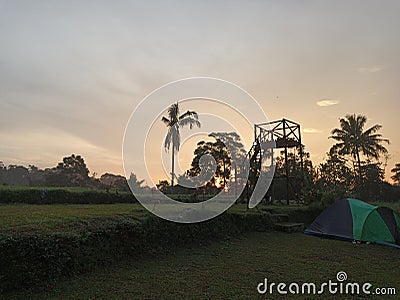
{"points": [[305, 215], [41, 259], [63, 196]]}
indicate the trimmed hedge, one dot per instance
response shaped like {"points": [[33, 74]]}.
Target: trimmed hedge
{"points": [[63, 196], [305, 215], [41, 259]]}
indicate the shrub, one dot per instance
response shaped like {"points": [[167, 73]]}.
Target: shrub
{"points": [[32, 259], [305, 215], [62, 196]]}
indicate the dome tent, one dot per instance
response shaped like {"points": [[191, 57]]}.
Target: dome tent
{"points": [[352, 219]]}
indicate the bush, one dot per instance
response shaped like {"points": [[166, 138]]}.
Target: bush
{"points": [[305, 215], [35, 259], [328, 198], [62, 196]]}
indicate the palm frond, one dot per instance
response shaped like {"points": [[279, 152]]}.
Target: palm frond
{"points": [[189, 121], [166, 121], [189, 113], [372, 130], [177, 139], [167, 141], [173, 113], [174, 122]]}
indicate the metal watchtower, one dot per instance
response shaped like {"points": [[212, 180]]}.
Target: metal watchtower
{"points": [[286, 134]]}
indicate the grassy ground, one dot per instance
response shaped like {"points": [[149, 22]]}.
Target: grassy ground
{"points": [[69, 217], [232, 269], [17, 188], [61, 217], [225, 270]]}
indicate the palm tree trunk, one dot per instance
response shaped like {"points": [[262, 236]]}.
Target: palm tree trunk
{"points": [[224, 174], [359, 165], [173, 165]]}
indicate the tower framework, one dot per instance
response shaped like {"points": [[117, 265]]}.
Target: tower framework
{"points": [[285, 134]]}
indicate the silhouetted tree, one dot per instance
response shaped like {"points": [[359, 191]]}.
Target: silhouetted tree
{"points": [[354, 141], [37, 177], [300, 181], [17, 176], [114, 181], [163, 185], [396, 175], [3, 170], [174, 122], [372, 176], [222, 155], [134, 182], [72, 171], [334, 174]]}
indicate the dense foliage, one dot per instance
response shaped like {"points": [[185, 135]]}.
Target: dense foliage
{"points": [[63, 196], [31, 259]]}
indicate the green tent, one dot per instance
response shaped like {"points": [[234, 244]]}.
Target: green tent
{"points": [[353, 219]]}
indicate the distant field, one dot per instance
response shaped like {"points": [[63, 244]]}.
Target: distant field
{"points": [[224, 270], [21, 217], [70, 189], [70, 217], [61, 217], [231, 269]]}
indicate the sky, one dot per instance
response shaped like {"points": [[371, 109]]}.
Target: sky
{"points": [[72, 72]]}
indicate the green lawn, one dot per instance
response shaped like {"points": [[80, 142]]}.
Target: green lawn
{"points": [[69, 217], [232, 269], [69, 189], [61, 217]]}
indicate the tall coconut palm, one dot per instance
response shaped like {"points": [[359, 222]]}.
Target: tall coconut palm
{"points": [[174, 122], [354, 141]]}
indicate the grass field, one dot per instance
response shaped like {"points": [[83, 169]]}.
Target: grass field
{"points": [[70, 217], [61, 217], [18, 188], [231, 269], [67, 217]]}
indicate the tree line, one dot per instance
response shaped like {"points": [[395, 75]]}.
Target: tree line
{"points": [[354, 166], [70, 172], [356, 163]]}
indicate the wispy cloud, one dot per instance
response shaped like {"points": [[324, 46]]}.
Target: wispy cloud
{"points": [[372, 69], [327, 102], [311, 130]]}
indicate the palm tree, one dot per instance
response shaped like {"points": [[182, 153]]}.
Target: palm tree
{"points": [[396, 175], [174, 122], [353, 140]]}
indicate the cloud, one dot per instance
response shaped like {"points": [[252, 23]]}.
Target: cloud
{"points": [[311, 130], [327, 102], [372, 69]]}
